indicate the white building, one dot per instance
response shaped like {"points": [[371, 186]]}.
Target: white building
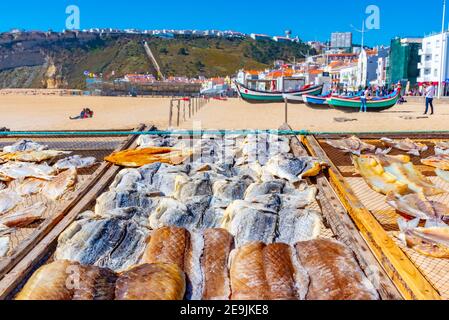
{"points": [[430, 64], [381, 72], [348, 76], [341, 40]]}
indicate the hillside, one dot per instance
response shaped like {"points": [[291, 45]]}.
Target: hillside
{"points": [[60, 61]]}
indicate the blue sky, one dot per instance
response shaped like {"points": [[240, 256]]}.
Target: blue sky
{"points": [[311, 20]]}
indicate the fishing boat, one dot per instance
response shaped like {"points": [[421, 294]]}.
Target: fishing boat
{"points": [[354, 104], [256, 96], [316, 102]]}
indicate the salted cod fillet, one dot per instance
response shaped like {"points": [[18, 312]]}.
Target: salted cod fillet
{"points": [[113, 243], [333, 271], [24, 217], [418, 206], [151, 282], [438, 161], [8, 201], [411, 147], [25, 145], [32, 156]]}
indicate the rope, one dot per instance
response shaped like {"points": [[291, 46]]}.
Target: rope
{"points": [[208, 132]]}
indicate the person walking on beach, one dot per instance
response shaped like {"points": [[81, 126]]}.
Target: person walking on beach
{"points": [[363, 99], [430, 94]]}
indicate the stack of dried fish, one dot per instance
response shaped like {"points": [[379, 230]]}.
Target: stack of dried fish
{"points": [[176, 264], [24, 163]]}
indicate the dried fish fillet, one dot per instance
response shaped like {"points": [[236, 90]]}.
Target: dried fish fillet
{"points": [[167, 245], [67, 280], [248, 280], [418, 206], [56, 188], [20, 170], [429, 241], [30, 186], [214, 264], [334, 272], [407, 145], [25, 145], [8, 201], [50, 282], [293, 169], [297, 225], [376, 177], [442, 148], [75, 162], [4, 240], [151, 282], [24, 217], [114, 243], [439, 162], [32, 156], [141, 157], [249, 222], [351, 145]]}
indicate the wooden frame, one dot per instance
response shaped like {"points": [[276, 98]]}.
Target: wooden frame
{"points": [[410, 282], [14, 269]]}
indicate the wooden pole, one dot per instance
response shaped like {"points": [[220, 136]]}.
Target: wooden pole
{"points": [[179, 112], [170, 120], [190, 108], [286, 110]]}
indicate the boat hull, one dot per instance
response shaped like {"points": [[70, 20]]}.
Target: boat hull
{"points": [[253, 96], [351, 105], [315, 102]]}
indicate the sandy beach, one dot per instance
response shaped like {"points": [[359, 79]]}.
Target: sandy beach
{"points": [[40, 112]]}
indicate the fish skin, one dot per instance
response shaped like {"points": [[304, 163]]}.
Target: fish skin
{"points": [[159, 281], [56, 188], [250, 222], [8, 201], [95, 284], [335, 275], [75, 162], [351, 145], [218, 244], [227, 191], [50, 281], [297, 225], [24, 217], [264, 188]]}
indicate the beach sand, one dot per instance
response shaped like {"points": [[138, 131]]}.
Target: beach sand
{"points": [[24, 112]]}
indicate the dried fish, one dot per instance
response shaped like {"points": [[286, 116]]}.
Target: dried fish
{"points": [[442, 148], [396, 174], [418, 206], [293, 169], [8, 201], [33, 156], [30, 186], [114, 243], [75, 162], [438, 161], [351, 145], [429, 241], [21, 170], [25, 145], [249, 222], [411, 147], [56, 188], [141, 157], [24, 217], [4, 240]]}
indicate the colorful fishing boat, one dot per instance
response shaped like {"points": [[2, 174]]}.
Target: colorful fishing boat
{"points": [[256, 96], [373, 105], [316, 102]]}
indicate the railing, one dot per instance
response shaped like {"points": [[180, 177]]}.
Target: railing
{"points": [[193, 105]]}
